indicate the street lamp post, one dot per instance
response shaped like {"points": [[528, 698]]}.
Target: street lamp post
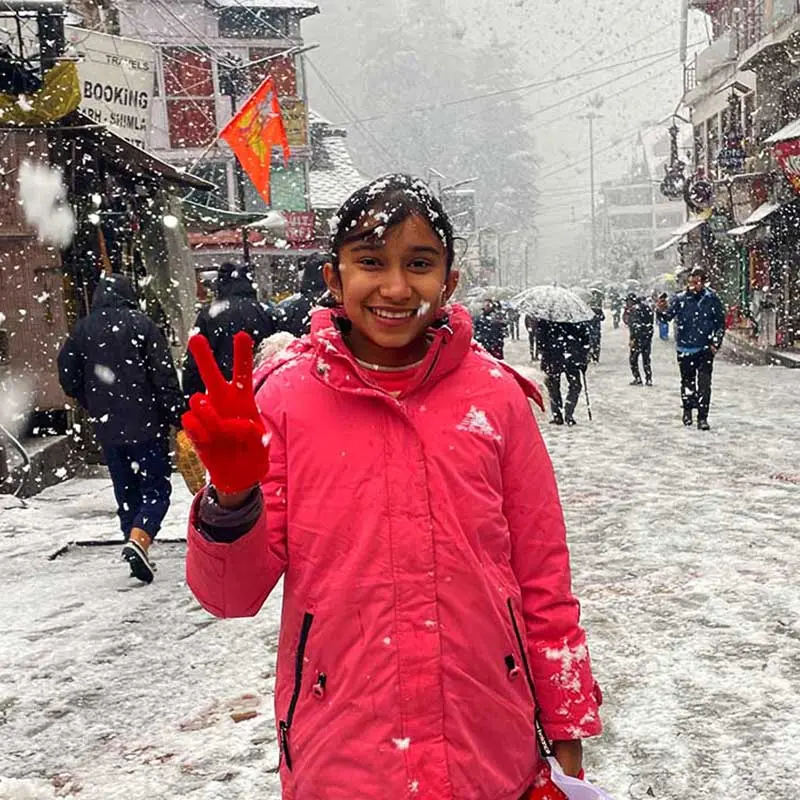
{"points": [[591, 116]]}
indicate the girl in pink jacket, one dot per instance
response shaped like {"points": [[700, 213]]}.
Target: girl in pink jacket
{"points": [[393, 473]]}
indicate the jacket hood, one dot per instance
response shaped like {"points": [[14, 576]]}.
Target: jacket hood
{"points": [[312, 283], [235, 283], [114, 291]]}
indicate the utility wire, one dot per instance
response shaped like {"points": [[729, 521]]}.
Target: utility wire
{"points": [[523, 88]]}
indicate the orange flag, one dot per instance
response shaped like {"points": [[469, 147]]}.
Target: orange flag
{"points": [[255, 129]]}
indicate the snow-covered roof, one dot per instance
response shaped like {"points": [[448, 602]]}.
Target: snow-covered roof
{"points": [[307, 6], [332, 177]]}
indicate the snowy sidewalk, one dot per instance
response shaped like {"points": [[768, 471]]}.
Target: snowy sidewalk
{"points": [[686, 554]]}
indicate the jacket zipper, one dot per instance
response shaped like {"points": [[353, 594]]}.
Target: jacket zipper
{"points": [[544, 743], [286, 725]]}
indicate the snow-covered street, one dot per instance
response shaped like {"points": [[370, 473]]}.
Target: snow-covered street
{"points": [[686, 552]]}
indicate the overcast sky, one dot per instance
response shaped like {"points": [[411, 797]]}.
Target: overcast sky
{"points": [[551, 39]]}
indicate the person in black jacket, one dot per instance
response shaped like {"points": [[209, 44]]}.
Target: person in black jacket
{"points": [[699, 332], [564, 348], [638, 317], [235, 308], [294, 314], [490, 329], [117, 365]]}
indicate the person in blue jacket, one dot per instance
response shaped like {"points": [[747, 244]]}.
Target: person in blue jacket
{"points": [[700, 329]]}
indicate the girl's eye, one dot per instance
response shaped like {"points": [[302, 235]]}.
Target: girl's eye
{"points": [[369, 263], [420, 264]]}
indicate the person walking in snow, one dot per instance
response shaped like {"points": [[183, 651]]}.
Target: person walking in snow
{"points": [[596, 327], [293, 315], [491, 329], [638, 317], [347, 472], [117, 365], [235, 308], [530, 326], [700, 330], [564, 348]]}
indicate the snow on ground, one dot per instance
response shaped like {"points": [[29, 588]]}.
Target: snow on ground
{"points": [[685, 553]]}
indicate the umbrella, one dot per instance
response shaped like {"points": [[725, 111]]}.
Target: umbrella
{"points": [[582, 292], [554, 303], [665, 283], [477, 296]]}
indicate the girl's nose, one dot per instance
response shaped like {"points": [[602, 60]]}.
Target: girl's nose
{"points": [[395, 286]]}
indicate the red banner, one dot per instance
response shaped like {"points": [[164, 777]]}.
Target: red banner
{"points": [[788, 155], [254, 131]]}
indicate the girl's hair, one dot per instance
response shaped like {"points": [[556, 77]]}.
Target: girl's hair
{"points": [[387, 202]]}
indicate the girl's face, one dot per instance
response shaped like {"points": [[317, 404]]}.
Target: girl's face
{"points": [[391, 287]]}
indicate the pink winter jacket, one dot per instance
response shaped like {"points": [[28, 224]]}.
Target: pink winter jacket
{"points": [[426, 576]]}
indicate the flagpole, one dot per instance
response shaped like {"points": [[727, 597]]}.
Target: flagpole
{"points": [[239, 170]]}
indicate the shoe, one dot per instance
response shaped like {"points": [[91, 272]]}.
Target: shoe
{"points": [[636, 382], [702, 425], [648, 382], [687, 419], [135, 552], [571, 422], [557, 420]]}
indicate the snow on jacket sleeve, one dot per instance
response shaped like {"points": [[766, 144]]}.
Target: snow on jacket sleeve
{"points": [[566, 692], [71, 364], [234, 580], [163, 376]]}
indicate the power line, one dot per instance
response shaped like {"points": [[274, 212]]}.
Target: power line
{"points": [[368, 135], [523, 88]]}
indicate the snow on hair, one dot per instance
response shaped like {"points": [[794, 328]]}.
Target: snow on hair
{"points": [[384, 203]]}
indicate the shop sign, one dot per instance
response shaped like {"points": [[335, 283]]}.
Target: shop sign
{"points": [[732, 155], [295, 121], [788, 156], [117, 78], [299, 226]]}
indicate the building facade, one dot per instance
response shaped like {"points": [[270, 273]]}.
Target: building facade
{"points": [[742, 95], [211, 56]]}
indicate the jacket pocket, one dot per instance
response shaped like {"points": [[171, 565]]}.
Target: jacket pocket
{"points": [[544, 743], [285, 725]]}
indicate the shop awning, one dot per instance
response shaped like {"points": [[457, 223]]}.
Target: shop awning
{"points": [[680, 233], [741, 230], [761, 213], [128, 158], [790, 131]]}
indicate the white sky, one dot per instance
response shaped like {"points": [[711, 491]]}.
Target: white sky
{"points": [[553, 38]]}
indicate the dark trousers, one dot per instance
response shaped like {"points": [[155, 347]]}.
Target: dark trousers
{"points": [[553, 383], [696, 370], [642, 347], [140, 474]]}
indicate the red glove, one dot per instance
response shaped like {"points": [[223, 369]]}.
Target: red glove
{"points": [[224, 424], [547, 792]]}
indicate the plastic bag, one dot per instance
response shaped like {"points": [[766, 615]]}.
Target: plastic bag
{"points": [[574, 788]]}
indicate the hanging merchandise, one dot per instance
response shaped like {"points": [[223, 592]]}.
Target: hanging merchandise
{"points": [[732, 154], [60, 95], [788, 155], [674, 180], [699, 195], [252, 133]]}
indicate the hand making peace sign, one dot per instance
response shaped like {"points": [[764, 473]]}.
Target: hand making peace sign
{"points": [[224, 423]]}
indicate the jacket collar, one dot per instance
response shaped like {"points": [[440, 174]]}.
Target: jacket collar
{"points": [[335, 365]]}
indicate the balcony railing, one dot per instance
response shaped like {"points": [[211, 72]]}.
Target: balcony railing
{"points": [[751, 25]]}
